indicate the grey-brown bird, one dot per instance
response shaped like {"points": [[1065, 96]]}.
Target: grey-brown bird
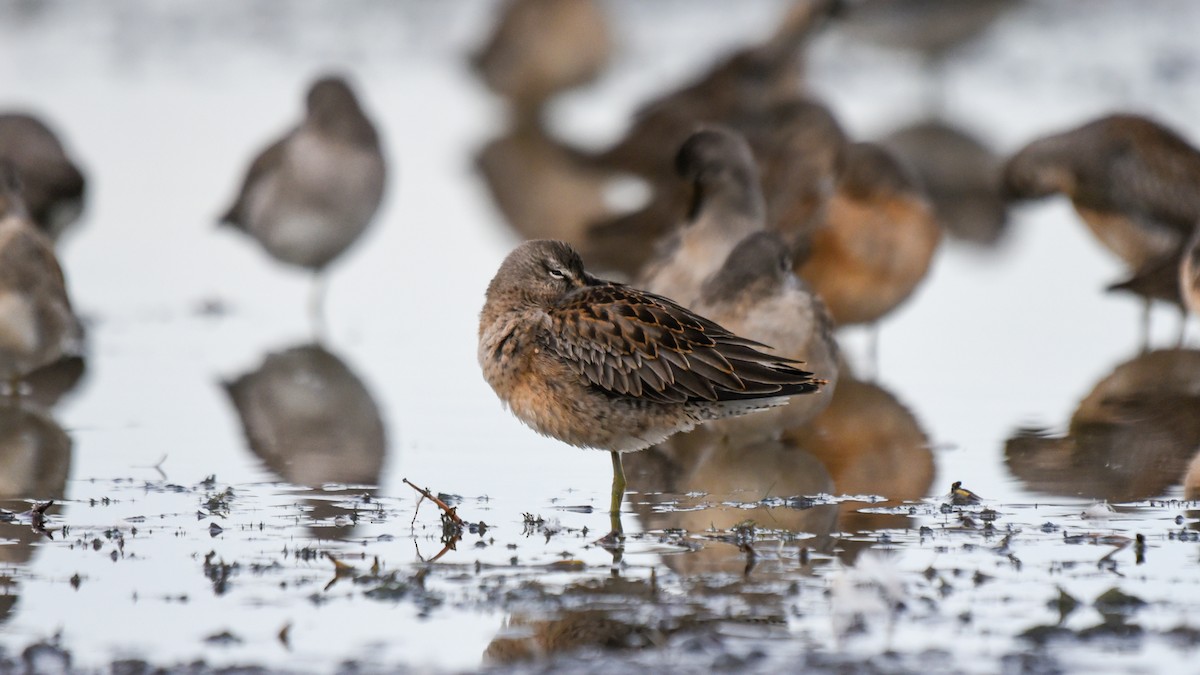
{"points": [[755, 294], [726, 205], [311, 194], [37, 325], [51, 184], [1132, 181], [960, 175], [597, 364]]}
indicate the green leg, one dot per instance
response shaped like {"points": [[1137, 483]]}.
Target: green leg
{"points": [[618, 495], [618, 487]]}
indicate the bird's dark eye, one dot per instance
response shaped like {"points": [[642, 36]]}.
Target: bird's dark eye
{"points": [[556, 273]]}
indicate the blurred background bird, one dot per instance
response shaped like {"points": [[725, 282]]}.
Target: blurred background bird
{"points": [[1132, 181], [37, 323], [310, 194], [52, 186]]}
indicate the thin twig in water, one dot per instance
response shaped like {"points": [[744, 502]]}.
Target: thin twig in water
{"points": [[450, 511]]}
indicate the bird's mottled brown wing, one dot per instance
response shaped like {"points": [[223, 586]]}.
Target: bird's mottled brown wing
{"points": [[637, 344], [1133, 165]]}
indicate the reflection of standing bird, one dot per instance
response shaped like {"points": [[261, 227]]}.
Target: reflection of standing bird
{"points": [[1132, 181], [1130, 438], [602, 365], [756, 294], [37, 326], [877, 241], [730, 468], [310, 418], [35, 460], [871, 444], [310, 194], [51, 184]]}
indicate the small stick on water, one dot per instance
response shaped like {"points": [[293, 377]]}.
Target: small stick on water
{"points": [[450, 511]]}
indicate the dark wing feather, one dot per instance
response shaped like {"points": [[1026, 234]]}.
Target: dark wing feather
{"points": [[265, 162], [1145, 169], [631, 343], [1158, 279]]}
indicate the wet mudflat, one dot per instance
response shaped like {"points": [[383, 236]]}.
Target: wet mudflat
{"points": [[229, 493]]}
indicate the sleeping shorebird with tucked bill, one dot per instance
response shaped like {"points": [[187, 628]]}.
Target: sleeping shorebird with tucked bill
{"points": [[602, 365]]}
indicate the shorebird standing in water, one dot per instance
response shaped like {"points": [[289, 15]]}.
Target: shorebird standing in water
{"points": [[1133, 183], [310, 195], [597, 364]]}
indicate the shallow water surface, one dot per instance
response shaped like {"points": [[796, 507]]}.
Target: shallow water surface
{"points": [[229, 488]]}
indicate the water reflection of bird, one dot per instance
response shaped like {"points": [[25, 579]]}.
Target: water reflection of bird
{"points": [[37, 325], [756, 294], [51, 184], [730, 468], [591, 617], [1130, 438], [602, 365], [961, 178], [526, 638], [877, 242], [871, 444], [311, 194], [538, 48], [35, 460], [595, 614], [1131, 179], [311, 421]]}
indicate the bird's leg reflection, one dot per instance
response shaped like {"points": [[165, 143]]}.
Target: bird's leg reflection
{"points": [[316, 306]]}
